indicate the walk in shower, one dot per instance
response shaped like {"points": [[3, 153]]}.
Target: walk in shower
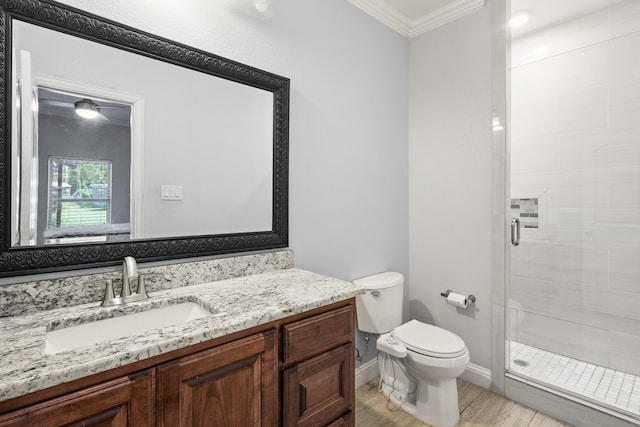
{"points": [[573, 283]]}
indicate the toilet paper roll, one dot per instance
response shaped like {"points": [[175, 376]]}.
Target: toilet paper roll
{"points": [[457, 300]]}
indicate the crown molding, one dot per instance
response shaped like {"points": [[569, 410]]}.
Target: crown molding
{"points": [[412, 28], [385, 14], [444, 15]]}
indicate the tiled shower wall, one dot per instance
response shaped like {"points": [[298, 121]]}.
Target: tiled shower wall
{"points": [[575, 146]]}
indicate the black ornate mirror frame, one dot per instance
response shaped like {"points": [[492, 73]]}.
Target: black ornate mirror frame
{"points": [[16, 261]]}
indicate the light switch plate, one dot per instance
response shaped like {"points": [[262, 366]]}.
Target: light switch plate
{"points": [[171, 192]]}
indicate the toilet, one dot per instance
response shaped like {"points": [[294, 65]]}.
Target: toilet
{"points": [[418, 362]]}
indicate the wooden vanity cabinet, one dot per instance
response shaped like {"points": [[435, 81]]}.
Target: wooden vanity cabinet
{"points": [[318, 374], [126, 401], [297, 371], [230, 385]]}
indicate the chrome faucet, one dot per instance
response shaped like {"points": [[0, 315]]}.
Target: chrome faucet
{"points": [[129, 276]]}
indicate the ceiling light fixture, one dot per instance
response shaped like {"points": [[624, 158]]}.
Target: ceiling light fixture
{"points": [[87, 109], [519, 18], [263, 8]]}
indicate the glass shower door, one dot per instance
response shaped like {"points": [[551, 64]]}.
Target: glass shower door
{"points": [[573, 321]]}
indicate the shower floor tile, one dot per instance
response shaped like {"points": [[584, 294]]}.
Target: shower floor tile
{"points": [[615, 389]]}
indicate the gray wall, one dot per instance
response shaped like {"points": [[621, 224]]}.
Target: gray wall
{"points": [[349, 108], [450, 181]]}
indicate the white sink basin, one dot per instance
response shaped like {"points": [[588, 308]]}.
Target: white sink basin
{"points": [[122, 326]]}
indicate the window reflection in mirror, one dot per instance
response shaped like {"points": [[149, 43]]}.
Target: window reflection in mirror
{"points": [[79, 194]]}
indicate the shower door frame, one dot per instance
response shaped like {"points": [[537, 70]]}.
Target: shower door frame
{"points": [[533, 395]]}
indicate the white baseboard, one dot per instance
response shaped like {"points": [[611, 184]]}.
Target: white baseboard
{"points": [[366, 372], [474, 374], [477, 375]]}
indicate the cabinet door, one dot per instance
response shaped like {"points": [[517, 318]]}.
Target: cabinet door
{"points": [[230, 385], [123, 402], [319, 390]]}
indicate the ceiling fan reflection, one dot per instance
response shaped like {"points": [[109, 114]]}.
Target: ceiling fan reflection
{"points": [[85, 108]]}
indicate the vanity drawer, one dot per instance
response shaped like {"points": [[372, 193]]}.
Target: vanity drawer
{"points": [[316, 334]]}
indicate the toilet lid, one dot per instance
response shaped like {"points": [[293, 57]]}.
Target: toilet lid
{"points": [[430, 340]]}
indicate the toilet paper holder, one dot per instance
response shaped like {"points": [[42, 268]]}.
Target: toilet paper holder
{"points": [[470, 298]]}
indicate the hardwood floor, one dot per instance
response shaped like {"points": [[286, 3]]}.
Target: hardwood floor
{"points": [[478, 407]]}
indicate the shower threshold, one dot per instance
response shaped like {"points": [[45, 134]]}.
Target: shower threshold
{"points": [[615, 390]]}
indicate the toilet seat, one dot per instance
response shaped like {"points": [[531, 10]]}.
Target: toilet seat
{"points": [[430, 340]]}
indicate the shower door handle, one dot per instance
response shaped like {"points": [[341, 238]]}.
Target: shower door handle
{"points": [[515, 231]]}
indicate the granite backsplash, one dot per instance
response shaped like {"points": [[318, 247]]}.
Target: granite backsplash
{"points": [[47, 294]]}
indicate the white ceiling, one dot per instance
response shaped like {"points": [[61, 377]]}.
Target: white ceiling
{"points": [[414, 17]]}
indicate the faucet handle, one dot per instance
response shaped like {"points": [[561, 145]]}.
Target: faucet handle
{"points": [[109, 294], [142, 287]]}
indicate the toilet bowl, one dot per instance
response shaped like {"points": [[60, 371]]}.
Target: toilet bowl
{"points": [[418, 362]]}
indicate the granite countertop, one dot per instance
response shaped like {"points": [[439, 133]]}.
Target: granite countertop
{"points": [[237, 304]]}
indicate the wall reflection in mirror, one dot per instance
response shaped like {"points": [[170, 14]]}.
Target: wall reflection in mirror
{"points": [[169, 152]]}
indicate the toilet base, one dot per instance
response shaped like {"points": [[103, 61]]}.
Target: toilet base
{"points": [[435, 403], [425, 387]]}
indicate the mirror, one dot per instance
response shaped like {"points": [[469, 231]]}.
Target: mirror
{"points": [[187, 156]]}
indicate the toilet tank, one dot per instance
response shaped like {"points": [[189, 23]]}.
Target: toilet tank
{"points": [[379, 310]]}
